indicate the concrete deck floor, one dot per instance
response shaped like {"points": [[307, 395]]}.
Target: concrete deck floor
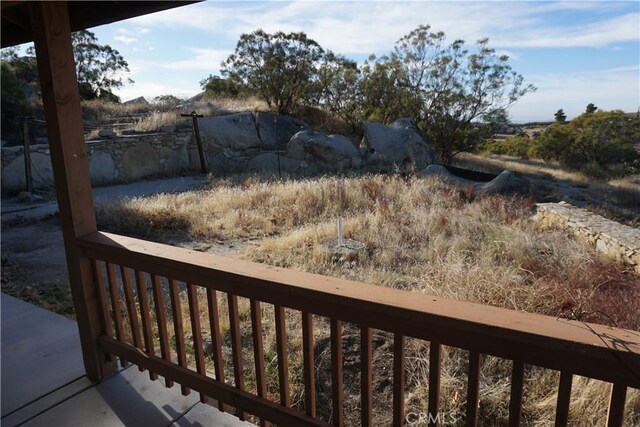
{"points": [[43, 382]]}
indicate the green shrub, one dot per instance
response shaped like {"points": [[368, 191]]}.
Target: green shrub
{"points": [[554, 144], [592, 142], [215, 86], [518, 146]]}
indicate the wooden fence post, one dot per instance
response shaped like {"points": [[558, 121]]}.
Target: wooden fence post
{"points": [[27, 153], [194, 117], [61, 99]]}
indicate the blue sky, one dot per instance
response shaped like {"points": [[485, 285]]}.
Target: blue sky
{"points": [[574, 52]]}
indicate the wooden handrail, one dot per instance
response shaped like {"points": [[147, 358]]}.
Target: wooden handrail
{"points": [[595, 351]]}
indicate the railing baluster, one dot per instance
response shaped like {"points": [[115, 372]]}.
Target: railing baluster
{"points": [[564, 399], [114, 294], [236, 349], [366, 378], [515, 404], [107, 323], [216, 339], [398, 380], [337, 393], [131, 309], [258, 353], [147, 332], [178, 328], [434, 382], [615, 415], [196, 331], [308, 356], [161, 320], [472, 389], [283, 363]]}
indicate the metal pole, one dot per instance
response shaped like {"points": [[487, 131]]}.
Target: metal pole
{"points": [[194, 118]]}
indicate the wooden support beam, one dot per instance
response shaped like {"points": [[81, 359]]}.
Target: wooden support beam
{"points": [[61, 100]]}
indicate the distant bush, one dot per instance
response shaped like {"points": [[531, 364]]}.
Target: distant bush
{"points": [[215, 86], [518, 146], [12, 91], [593, 142]]}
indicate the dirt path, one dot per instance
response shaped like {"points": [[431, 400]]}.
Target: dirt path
{"points": [[38, 249]]}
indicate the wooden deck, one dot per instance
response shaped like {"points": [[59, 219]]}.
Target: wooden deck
{"points": [[43, 381]]}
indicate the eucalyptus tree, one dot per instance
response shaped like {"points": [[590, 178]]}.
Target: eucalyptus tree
{"points": [[280, 68]]}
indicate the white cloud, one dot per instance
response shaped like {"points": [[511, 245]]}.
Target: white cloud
{"points": [[204, 59], [619, 29], [614, 88], [366, 27], [125, 39], [199, 16]]}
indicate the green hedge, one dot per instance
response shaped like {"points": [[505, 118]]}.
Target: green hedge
{"points": [[601, 143]]}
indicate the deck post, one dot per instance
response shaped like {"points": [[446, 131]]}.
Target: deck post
{"points": [[61, 99]]}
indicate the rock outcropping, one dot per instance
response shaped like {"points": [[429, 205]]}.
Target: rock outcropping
{"points": [[504, 181], [245, 134], [326, 152], [398, 145]]}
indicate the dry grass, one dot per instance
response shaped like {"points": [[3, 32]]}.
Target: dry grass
{"points": [[617, 199], [105, 110], [154, 121], [152, 116], [421, 236], [496, 163], [236, 105]]}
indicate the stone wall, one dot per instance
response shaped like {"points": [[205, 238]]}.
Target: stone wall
{"points": [[235, 143], [609, 237], [111, 161]]}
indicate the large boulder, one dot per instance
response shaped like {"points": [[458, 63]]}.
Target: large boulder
{"points": [[399, 144], [330, 152], [235, 131], [270, 163], [275, 131], [241, 132]]}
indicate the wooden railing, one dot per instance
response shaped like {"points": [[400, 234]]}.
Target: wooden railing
{"points": [[571, 347]]}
